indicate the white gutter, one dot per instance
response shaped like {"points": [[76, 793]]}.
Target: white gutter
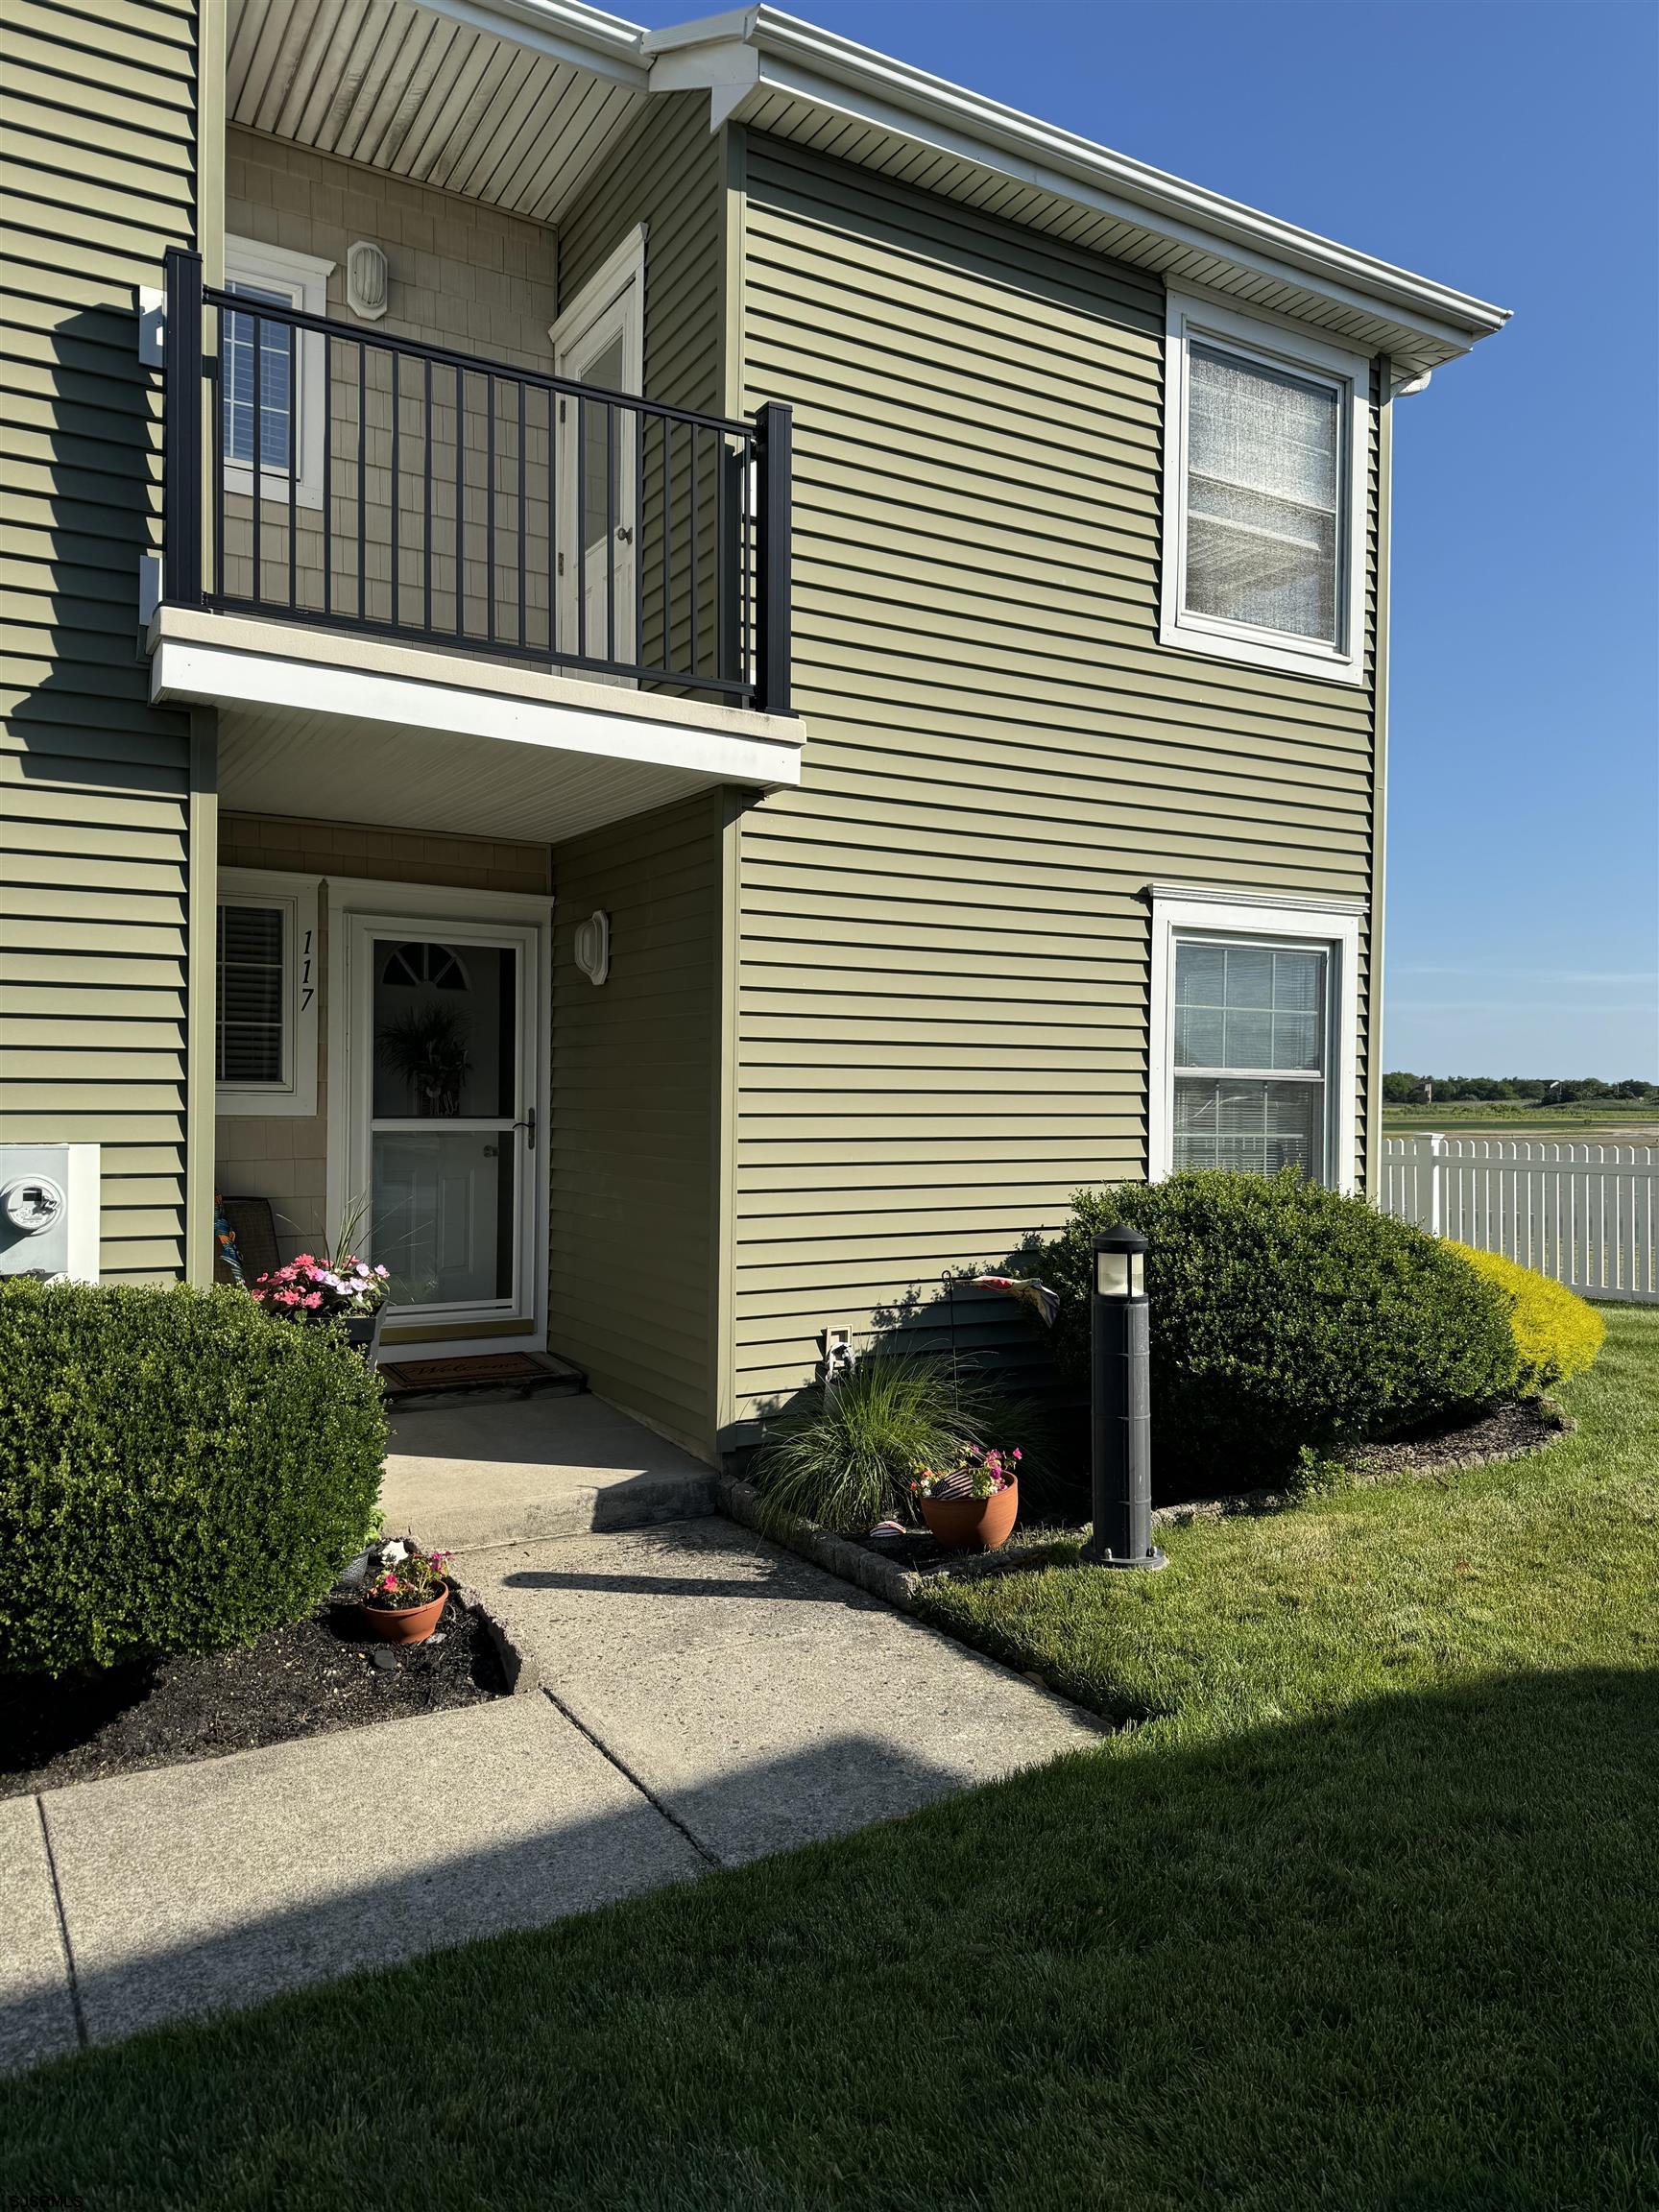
{"points": [[563, 29], [742, 56]]}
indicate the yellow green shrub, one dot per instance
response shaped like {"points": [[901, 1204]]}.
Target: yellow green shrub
{"points": [[1557, 1334]]}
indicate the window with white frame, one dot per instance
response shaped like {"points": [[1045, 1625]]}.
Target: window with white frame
{"points": [[265, 1001], [274, 401], [1254, 1036], [1267, 430]]}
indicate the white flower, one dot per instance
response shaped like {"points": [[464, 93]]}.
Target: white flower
{"points": [[395, 1552]]}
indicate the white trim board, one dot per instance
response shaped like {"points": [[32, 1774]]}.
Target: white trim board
{"points": [[622, 268], [1262, 914], [214, 675]]}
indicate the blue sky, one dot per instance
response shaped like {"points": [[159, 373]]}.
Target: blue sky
{"points": [[1509, 149]]}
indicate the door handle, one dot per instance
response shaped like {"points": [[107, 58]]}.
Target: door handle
{"points": [[625, 531], [528, 1125]]}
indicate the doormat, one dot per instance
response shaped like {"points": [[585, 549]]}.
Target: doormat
{"points": [[521, 1371]]}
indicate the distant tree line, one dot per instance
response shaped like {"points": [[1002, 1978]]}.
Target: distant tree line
{"points": [[1404, 1090]]}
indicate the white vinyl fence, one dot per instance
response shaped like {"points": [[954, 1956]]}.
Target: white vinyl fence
{"points": [[1585, 1213]]}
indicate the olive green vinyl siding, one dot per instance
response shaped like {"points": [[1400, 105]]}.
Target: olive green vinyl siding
{"points": [[633, 1116], [97, 168], [665, 173], [944, 966]]}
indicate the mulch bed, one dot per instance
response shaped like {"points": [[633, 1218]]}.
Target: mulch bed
{"points": [[324, 1672], [1526, 1425], [1508, 1432]]}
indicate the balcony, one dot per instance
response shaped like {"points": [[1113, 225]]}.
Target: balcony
{"points": [[373, 539]]}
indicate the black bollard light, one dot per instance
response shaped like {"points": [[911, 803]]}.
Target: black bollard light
{"points": [[1121, 1406]]}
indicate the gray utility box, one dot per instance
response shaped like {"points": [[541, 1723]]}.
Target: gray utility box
{"points": [[49, 1212]]}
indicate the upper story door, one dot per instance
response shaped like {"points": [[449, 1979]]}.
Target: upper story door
{"points": [[599, 341]]}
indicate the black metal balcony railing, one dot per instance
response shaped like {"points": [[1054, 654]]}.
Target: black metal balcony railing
{"points": [[320, 473]]}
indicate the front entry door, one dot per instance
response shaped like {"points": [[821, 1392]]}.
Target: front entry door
{"points": [[445, 1114]]}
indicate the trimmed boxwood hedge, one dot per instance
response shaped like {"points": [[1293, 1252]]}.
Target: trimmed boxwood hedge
{"points": [[178, 1470], [1285, 1317]]}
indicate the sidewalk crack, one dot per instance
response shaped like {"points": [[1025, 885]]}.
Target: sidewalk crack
{"points": [[62, 1927], [628, 1775]]}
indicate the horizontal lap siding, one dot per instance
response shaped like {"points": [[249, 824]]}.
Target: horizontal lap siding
{"points": [[665, 173], [97, 121], [633, 1116], [944, 971]]}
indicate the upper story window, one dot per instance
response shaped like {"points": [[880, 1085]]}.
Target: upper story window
{"points": [[272, 377], [1266, 437]]}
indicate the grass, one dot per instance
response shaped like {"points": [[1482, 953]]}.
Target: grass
{"points": [[1362, 1913], [1575, 1124]]}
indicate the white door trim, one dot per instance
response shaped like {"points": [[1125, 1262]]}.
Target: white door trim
{"points": [[610, 305], [354, 904], [625, 266]]}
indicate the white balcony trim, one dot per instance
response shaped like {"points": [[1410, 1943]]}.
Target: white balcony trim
{"points": [[216, 659]]}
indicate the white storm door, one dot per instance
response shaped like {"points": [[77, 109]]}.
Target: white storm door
{"points": [[598, 480], [445, 1111]]}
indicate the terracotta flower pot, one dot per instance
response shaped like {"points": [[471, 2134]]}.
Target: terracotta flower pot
{"points": [[974, 1524], [407, 1623]]}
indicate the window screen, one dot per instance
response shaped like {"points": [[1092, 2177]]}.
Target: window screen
{"points": [[251, 995], [264, 386], [1250, 1054], [1263, 461]]}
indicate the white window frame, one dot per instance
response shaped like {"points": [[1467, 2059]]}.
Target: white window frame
{"points": [[1184, 910], [1193, 317], [303, 280], [295, 897]]}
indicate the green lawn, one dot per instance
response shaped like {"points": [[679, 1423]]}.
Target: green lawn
{"points": [[1575, 1124], [1362, 1912]]}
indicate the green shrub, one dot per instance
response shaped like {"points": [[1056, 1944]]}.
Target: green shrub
{"points": [[178, 1470], [844, 1458], [1557, 1334], [1285, 1317]]}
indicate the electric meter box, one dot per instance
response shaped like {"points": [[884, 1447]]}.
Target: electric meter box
{"points": [[49, 1212]]}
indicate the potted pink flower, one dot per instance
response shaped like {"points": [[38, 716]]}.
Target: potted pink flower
{"points": [[315, 1287], [971, 1508], [405, 1591]]}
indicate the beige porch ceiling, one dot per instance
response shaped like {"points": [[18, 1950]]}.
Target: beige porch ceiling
{"points": [[434, 95], [349, 729], [332, 768]]}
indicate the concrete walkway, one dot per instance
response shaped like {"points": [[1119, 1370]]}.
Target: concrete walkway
{"points": [[491, 1469], [704, 1698]]}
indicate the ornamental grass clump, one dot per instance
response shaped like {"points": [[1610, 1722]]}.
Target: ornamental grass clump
{"points": [[178, 1471], [847, 1455], [1284, 1319], [1557, 1334]]}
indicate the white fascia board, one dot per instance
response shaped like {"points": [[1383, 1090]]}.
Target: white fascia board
{"points": [[799, 59], [208, 674], [563, 29]]}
